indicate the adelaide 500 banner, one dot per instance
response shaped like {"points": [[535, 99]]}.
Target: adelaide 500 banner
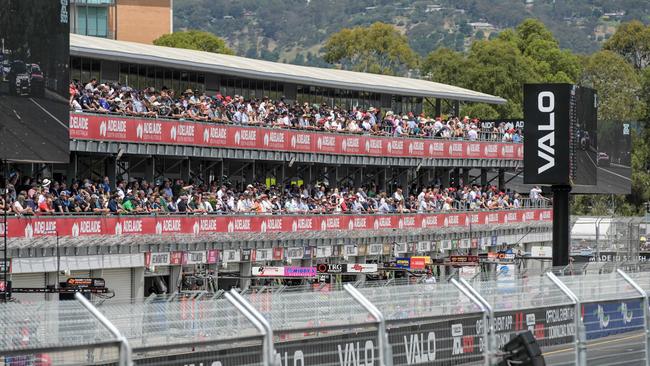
{"points": [[115, 128], [39, 226]]}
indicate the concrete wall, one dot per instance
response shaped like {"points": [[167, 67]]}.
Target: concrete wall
{"points": [[143, 21]]}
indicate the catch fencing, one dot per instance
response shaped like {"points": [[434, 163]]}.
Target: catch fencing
{"points": [[589, 319]]}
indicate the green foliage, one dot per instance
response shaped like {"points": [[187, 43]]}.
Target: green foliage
{"points": [[617, 84], [194, 40], [502, 64], [482, 110], [379, 48], [632, 41]]}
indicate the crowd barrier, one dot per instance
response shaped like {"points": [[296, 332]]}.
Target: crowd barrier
{"points": [[118, 128], [577, 320]]}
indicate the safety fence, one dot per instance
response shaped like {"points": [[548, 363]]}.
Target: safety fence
{"points": [[593, 319]]}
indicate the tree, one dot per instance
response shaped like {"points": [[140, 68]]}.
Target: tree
{"points": [[617, 85], [379, 48], [445, 66], [194, 40], [632, 41]]}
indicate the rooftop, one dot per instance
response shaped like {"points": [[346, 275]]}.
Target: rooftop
{"points": [[122, 51]]}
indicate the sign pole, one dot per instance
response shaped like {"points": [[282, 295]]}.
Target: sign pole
{"points": [[561, 233]]}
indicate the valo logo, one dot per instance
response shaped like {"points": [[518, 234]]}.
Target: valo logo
{"points": [[545, 150]]}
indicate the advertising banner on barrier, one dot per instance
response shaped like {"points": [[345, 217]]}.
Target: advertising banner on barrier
{"points": [[230, 356], [612, 317], [330, 268], [551, 326], [453, 340], [347, 349], [50, 226], [171, 132], [404, 263]]}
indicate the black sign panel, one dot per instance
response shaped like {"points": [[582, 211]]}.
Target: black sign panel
{"points": [[336, 348], [444, 341], [546, 136], [550, 326], [246, 356], [330, 268]]}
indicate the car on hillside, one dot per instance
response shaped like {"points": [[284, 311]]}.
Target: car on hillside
{"points": [[37, 79], [19, 78]]}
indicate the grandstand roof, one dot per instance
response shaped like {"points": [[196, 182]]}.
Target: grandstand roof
{"points": [[107, 49]]}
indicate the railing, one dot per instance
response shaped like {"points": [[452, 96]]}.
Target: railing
{"points": [[576, 320], [117, 128]]}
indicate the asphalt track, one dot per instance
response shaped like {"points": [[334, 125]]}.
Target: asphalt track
{"points": [[33, 128], [622, 349]]}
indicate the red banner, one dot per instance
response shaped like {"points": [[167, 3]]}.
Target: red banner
{"points": [[127, 129], [39, 226]]}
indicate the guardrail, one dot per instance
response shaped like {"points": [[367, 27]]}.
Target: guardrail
{"points": [[577, 320], [118, 128]]}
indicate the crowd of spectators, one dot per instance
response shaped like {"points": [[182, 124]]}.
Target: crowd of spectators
{"points": [[27, 196], [95, 97]]}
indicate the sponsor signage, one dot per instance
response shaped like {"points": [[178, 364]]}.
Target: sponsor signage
{"points": [[401, 248], [278, 253], [463, 259], [539, 251], [214, 357], [330, 268], [176, 258], [31, 227], [612, 317], [300, 271], [404, 263], [262, 255], [346, 349], [96, 127], [231, 255], [361, 268], [213, 256], [424, 246], [194, 258], [560, 135], [247, 255], [295, 253], [495, 257], [375, 249], [418, 262], [86, 282], [267, 271], [153, 259], [350, 250], [550, 325], [324, 251], [450, 341]]}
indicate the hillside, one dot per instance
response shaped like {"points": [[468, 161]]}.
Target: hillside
{"points": [[294, 30]]}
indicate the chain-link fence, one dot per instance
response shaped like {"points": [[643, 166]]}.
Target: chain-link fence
{"points": [[598, 318]]}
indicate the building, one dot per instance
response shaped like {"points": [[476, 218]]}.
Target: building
{"points": [[139, 21], [133, 253]]}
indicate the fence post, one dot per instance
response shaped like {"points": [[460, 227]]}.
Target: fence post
{"points": [[125, 348], [269, 353], [581, 336], [491, 345], [385, 353], [253, 319], [646, 315], [484, 310]]}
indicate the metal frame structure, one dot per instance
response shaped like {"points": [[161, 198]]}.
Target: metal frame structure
{"points": [[426, 305]]}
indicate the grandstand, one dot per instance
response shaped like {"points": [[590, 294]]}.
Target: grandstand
{"points": [[158, 200]]}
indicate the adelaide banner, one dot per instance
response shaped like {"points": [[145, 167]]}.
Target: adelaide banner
{"points": [[171, 132], [43, 226]]}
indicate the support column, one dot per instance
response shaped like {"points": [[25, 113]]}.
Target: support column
{"points": [[72, 168], [361, 276], [175, 278], [111, 172], [561, 233], [484, 179], [150, 169], [438, 107], [244, 275], [456, 108], [50, 280], [137, 282], [444, 177], [465, 176], [502, 180], [185, 170]]}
